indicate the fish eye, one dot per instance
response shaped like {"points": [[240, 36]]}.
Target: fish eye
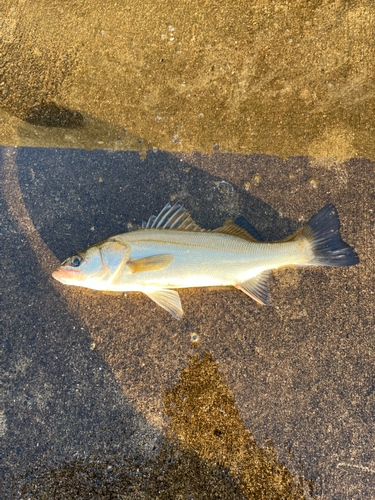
{"points": [[76, 261]]}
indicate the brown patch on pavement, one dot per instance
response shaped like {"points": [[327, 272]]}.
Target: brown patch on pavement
{"points": [[205, 419]]}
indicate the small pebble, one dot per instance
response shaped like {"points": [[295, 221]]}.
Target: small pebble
{"points": [[194, 337]]}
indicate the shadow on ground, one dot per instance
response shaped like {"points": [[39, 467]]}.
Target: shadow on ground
{"points": [[84, 375], [207, 453]]}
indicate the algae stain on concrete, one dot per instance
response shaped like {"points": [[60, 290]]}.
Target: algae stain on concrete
{"points": [[204, 419]]}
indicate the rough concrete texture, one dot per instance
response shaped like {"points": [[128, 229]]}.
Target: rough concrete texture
{"points": [[262, 109], [110, 397], [269, 76]]}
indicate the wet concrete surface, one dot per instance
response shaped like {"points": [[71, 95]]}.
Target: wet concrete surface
{"points": [[104, 396]]}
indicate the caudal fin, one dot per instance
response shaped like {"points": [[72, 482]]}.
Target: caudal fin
{"points": [[323, 230]]}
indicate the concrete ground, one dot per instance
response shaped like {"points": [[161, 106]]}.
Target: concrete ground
{"points": [[110, 397], [108, 110]]}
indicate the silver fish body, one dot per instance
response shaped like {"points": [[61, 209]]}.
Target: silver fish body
{"points": [[171, 251], [204, 259]]}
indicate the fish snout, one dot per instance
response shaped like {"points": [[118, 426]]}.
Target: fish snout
{"points": [[64, 275]]}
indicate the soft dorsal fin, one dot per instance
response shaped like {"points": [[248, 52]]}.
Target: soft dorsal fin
{"points": [[231, 228], [245, 224], [172, 217]]}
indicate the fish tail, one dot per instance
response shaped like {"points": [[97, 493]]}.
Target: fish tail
{"points": [[323, 232]]}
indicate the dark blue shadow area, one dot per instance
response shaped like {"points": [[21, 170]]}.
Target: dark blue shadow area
{"points": [[300, 371], [69, 192], [59, 400]]}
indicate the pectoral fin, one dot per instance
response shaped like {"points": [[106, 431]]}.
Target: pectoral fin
{"points": [[152, 263], [168, 300], [258, 288]]}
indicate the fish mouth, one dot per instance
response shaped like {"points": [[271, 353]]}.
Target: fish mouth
{"points": [[64, 275]]}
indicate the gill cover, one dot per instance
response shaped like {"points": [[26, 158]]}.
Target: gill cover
{"points": [[114, 257]]}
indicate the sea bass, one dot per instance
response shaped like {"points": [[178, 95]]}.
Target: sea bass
{"points": [[171, 251]]}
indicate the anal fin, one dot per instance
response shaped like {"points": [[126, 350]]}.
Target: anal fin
{"points": [[258, 287], [168, 300]]}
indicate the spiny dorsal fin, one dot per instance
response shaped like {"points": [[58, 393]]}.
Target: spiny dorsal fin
{"points": [[173, 217], [231, 228]]}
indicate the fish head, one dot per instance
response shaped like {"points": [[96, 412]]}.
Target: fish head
{"points": [[95, 267]]}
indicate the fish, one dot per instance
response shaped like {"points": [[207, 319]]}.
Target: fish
{"points": [[171, 251]]}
